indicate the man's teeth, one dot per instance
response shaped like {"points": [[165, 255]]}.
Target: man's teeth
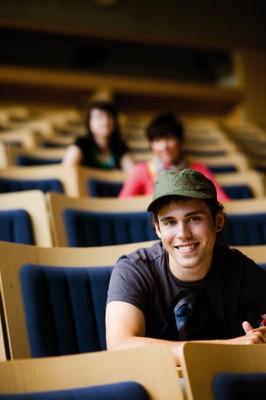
{"points": [[185, 248]]}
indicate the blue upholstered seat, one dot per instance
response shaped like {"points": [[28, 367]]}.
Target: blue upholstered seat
{"points": [[206, 153], [260, 168], [113, 391], [238, 191], [86, 228], [65, 308], [245, 229], [221, 169], [17, 185], [263, 265], [23, 160], [100, 188], [16, 227], [245, 386]]}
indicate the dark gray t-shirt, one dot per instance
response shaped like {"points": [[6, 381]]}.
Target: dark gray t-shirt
{"points": [[233, 286]]}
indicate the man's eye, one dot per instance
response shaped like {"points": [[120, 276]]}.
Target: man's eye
{"points": [[170, 223], [194, 219]]}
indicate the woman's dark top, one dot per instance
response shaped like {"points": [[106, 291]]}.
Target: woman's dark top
{"points": [[90, 153]]}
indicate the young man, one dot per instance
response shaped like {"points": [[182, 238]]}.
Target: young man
{"points": [[188, 286]]}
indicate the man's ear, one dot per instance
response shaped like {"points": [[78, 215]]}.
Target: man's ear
{"points": [[157, 230], [220, 221]]}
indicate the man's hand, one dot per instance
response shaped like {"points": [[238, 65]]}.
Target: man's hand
{"points": [[253, 335]]}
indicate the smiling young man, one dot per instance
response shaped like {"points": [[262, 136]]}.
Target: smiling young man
{"points": [[188, 286]]}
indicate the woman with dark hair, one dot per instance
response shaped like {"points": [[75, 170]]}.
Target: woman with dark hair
{"points": [[165, 134], [102, 147]]}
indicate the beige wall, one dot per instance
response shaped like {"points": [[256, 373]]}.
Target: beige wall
{"points": [[254, 70]]}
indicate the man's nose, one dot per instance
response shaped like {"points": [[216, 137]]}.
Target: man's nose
{"points": [[183, 231]]}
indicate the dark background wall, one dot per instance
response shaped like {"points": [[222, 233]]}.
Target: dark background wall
{"points": [[192, 42], [112, 56], [234, 23]]}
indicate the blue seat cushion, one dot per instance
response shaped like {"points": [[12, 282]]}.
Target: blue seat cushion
{"points": [[238, 191], [22, 159], [85, 228], [245, 229], [16, 227], [260, 168], [113, 391], [263, 265], [99, 188], [244, 386], [65, 308], [18, 185], [207, 153], [222, 169]]}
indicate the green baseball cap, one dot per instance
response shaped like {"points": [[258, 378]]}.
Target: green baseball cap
{"points": [[187, 183]]}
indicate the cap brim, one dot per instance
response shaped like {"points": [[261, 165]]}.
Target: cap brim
{"points": [[195, 195]]}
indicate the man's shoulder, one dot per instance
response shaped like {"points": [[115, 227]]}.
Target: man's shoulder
{"points": [[231, 256], [146, 254]]}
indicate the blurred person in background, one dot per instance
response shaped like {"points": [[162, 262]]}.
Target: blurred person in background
{"points": [[165, 134], [102, 146]]}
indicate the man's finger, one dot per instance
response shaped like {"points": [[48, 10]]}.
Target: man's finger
{"points": [[247, 327]]}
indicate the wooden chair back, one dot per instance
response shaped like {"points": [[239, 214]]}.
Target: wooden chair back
{"points": [[35, 156], [42, 177], [210, 150], [3, 355], [23, 138], [95, 182], [15, 256], [243, 184], [256, 253], [229, 163], [246, 221], [33, 202], [98, 221], [202, 362], [3, 155], [151, 366]]}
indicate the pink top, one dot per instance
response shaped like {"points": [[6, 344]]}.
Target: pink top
{"points": [[141, 181]]}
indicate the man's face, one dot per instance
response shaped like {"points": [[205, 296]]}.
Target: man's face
{"points": [[168, 149], [188, 234]]}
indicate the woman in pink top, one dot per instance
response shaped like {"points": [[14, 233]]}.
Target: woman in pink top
{"points": [[166, 137]]}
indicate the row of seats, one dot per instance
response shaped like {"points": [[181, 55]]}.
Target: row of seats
{"points": [[217, 157], [85, 181], [140, 374], [208, 137], [27, 302], [143, 373], [39, 119], [73, 181], [53, 303], [251, 141], [54, 219], [94, 221], [41, 322], [33, 129], [23, 148], [204, 138]]}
